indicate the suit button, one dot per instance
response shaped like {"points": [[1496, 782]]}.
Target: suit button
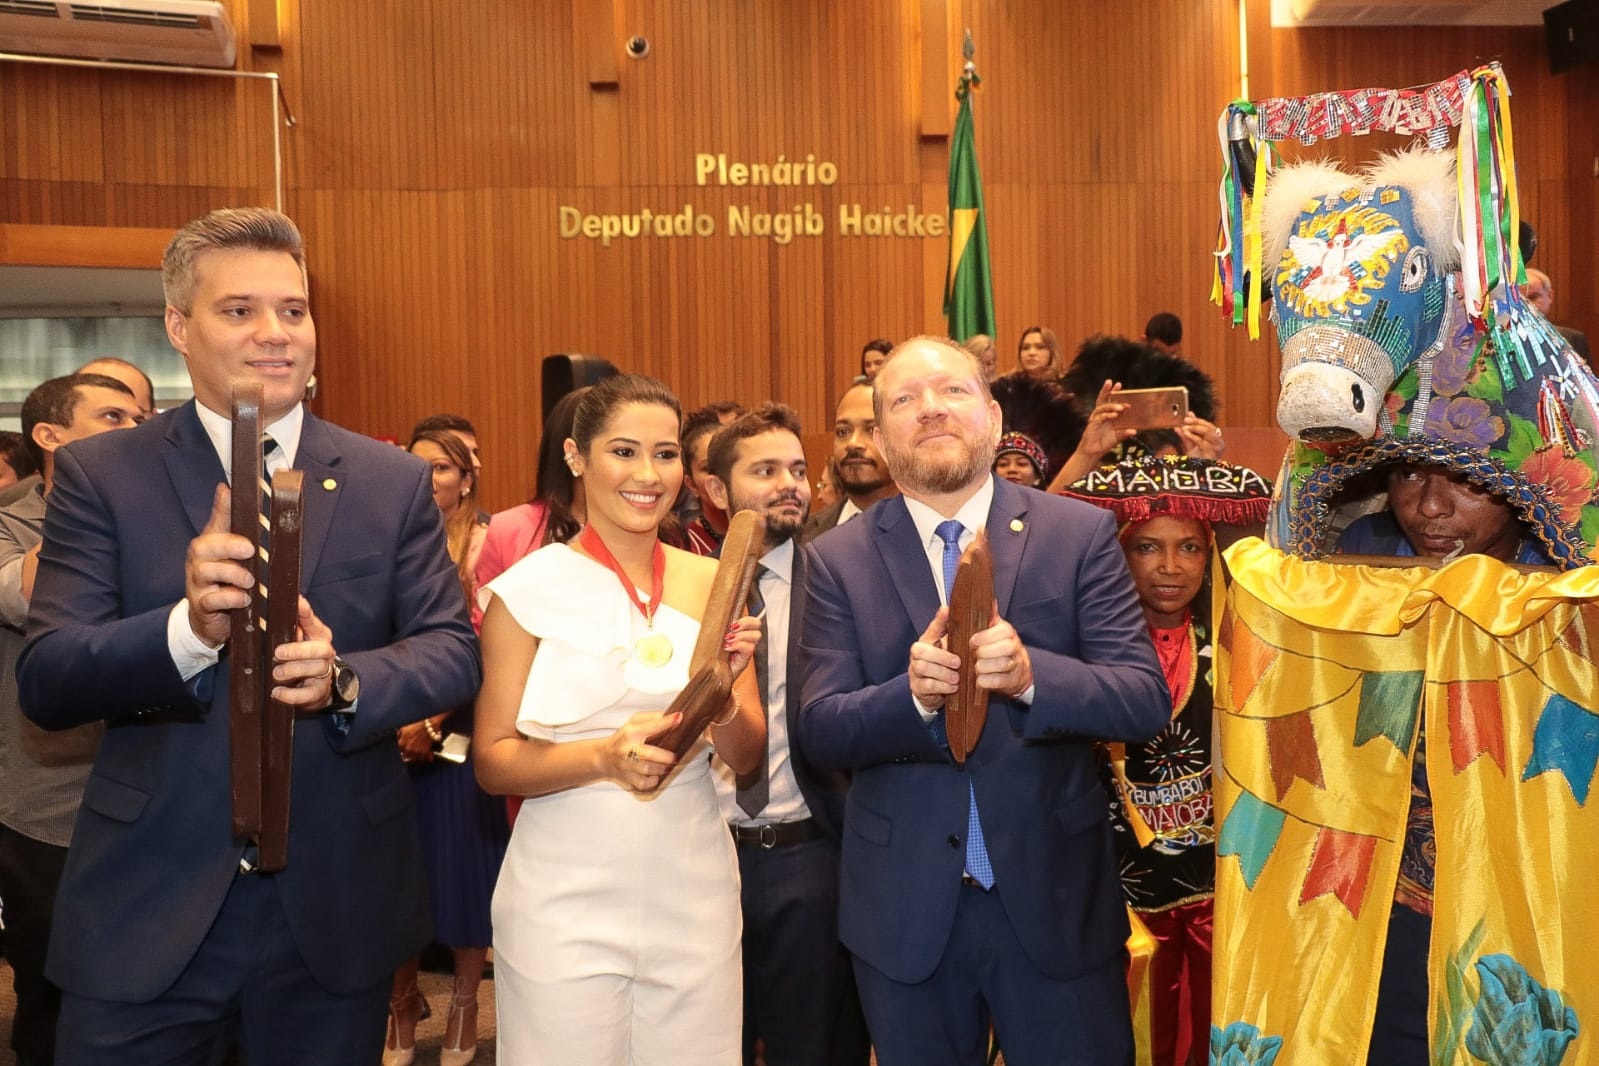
{"points": [[954, 841]]}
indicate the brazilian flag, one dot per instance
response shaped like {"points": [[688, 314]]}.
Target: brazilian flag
{"points": [[968, 289]]}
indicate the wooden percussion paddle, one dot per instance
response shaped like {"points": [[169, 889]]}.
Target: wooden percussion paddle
{"points": [[971, 608], [262, 728], [704, 698]]}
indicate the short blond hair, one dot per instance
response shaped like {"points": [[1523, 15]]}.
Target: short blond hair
{"points": [[257, 228], [938, 342]]}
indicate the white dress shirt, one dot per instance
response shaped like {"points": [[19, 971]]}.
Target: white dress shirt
{"points": [[784, 802], [190, 654], [972, 515]]}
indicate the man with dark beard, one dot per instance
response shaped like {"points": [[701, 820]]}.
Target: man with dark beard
{"points": [[862, 474], [983, 891], [787, 815]]}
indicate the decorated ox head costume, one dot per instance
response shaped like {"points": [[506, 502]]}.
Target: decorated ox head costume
{"points": [[1344, 689], [1395, 295]]}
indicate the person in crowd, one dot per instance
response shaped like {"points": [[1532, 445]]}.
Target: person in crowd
{"points": [[826, 492], [616, 915], [1042, 410], [554, 514], [1164, 330], [1104, 437], [1540, 292], [1432, 512], [1106, 365], [167, 935], [41, 774], [786, 815], [986, 891], [464, 831], [873, 356], [1160, 792], [981, 345], [1020, 460], [1038, 354], [1137, 365], [137, 381], [703, 534], [862, 473], [16, 462], [460, 426]]}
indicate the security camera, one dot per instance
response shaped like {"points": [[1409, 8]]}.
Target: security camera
{"points": [[638, 47]]}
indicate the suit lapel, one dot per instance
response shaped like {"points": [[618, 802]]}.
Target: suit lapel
{"points": [[319, 458], [796, 615], [1008, 530], [192, 465], [903, 556]]}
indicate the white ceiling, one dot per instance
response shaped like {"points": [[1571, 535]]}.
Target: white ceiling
{"points": [[1290, 13], [51, 292]]}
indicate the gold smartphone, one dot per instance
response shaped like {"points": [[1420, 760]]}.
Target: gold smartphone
{"points": [[1162, 408]]}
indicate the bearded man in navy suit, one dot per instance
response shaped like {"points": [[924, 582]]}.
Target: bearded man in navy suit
{"points": [[986, 892], [167, 936]]}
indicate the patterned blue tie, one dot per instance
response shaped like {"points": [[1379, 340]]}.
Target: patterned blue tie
{"points": [[977, 863]]}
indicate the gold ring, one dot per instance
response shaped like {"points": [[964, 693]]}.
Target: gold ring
{"points": [[326, 673]]}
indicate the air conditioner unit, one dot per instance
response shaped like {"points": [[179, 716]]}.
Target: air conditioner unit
{"points": [[187, 33]]}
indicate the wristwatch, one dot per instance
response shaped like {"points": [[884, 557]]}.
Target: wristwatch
{"points": [[346, 685]]}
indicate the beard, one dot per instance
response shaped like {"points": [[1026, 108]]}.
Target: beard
{"points": [[780, 526], [861, 480], [944, 474]]}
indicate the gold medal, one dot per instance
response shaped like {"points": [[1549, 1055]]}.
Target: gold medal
{"points": [[653, 649]]}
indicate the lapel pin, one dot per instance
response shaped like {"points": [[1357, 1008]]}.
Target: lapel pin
{"points": [[1015, 525], [329, 484]]}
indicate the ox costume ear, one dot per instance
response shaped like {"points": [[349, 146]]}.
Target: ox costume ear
{"points": [[1389, 354]]}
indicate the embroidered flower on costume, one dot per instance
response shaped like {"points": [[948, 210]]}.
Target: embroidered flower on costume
{"points": [[1516, 1020], [1464, 420], [1569, 480], [1452, 366], [1392, 403], [1241, 1044]]}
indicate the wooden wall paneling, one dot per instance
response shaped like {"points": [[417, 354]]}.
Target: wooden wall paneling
{"points": [[81, 246], [51, 124], [940, 64], [594, 26], [368, 116], [1579, 300], [435, 148], [264, 28]]}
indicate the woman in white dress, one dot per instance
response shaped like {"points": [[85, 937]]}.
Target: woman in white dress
{"points": [[616, 915]]}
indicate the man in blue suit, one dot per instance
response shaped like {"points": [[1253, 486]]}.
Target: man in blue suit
{"points": [[166, 935], [987, 892]]}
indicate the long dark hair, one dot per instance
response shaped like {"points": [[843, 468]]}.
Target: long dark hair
{"points": [[596, 410], [556, 488], [460, 523]]}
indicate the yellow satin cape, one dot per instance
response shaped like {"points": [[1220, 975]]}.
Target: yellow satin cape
{"points": [[1325, 671]]}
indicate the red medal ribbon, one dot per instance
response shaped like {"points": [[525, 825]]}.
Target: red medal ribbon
{"points": [[591, 542]]}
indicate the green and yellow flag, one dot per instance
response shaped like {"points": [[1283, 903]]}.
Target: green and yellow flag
{"points": [[968, 291]]}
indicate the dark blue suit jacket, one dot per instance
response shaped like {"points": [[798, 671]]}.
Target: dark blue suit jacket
{"points": [[153, 852], [1062, 582], [823, 788]]}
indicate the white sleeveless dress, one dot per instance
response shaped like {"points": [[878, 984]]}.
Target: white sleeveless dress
{"points": [[616, 916]]}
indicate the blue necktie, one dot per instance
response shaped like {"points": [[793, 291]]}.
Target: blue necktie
{"points": [[977, 863]]}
